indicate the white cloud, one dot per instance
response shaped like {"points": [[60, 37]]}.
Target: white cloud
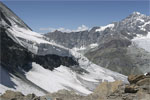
{"points": [[80, 28]]}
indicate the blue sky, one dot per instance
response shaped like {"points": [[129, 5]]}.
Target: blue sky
{"points": [[72, 14]]}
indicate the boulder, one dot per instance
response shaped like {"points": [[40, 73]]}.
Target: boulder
{"points": [[145, 81], [131, 89], [133, 79], [144, 84], [30, 96]]}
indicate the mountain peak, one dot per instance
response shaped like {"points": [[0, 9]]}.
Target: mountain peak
{"points": [[135, 16], [136, 13]]}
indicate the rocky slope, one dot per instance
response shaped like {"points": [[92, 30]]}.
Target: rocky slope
{"points": [[137, 89], [120, 46]]}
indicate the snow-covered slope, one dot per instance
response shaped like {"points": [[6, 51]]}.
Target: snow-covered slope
{"points": [[11, 82], [143, 41], [66, 78], [36, 43], [60, 78]]}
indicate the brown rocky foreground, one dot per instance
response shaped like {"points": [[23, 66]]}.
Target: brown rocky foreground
{"points": [[137, 89]]}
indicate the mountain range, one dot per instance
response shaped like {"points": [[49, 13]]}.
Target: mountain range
{"points": [[34, 63], [122, 46]]}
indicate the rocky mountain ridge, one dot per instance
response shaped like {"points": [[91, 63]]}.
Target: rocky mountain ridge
{"points": [[131, 26], [120, 46]]}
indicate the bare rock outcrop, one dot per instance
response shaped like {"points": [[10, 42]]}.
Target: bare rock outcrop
{"points": [[138, 89]]}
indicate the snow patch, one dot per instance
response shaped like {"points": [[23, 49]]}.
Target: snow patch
{"points": [[138, 13], [102, 28], [143, 41], [78, 49], [93, 45], [140, 20]]}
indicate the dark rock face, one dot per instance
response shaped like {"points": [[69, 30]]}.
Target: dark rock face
{"points": [[131, 89], [53, 61], [14, 56]]}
